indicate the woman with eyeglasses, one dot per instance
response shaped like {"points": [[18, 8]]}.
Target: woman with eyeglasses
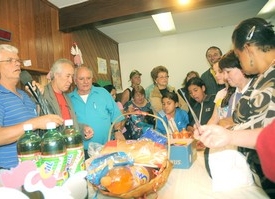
{"points": [[160, 78]]}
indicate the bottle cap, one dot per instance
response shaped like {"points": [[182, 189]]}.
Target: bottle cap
{"points": [[27, 127], [51, 125], [69, 122]]}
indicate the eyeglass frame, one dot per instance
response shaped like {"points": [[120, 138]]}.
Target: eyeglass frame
{"points": [[12, 60], [163, 77]]}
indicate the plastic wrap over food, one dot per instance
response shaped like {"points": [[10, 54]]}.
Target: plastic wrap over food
{"points": [[145, 152], [155, 136], [100, 166]]}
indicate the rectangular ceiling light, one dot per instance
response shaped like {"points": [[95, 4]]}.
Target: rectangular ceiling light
{"points": [[268, 7], [164, 22]]}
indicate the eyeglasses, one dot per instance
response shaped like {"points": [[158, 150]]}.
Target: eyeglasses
{"points": [[12, 60], [163, 77]]}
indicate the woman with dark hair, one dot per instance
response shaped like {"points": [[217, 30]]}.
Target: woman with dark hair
{"points": [[254, 45], [204, 106], [189, 75], [237, 82]]}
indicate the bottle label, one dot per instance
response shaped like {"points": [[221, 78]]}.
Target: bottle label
{"points": [[35, 157], [75, 160], [140, 175], [55, 165]]}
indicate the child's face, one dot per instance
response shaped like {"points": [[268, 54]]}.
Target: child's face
{"points": [[169, 106], [113, 93], [197, 93]]}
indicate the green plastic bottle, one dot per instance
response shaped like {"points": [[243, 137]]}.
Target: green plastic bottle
{"points": [[75, 150], [53, 154], [28, 146]]}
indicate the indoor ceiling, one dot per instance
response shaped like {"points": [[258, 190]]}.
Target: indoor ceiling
{"points": [[189, 20]]}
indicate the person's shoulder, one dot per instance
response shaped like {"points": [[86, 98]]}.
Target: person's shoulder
{"points": [[205, 73], [181, 111], [129, 89], [210, 98], [161, 114]]}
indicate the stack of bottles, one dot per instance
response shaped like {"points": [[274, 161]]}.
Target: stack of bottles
{"points": [[57, 153]]}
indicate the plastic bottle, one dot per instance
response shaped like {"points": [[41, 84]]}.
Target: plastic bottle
{"points": [[53, 154], [122, 179], [75, 150], [28, 146]]}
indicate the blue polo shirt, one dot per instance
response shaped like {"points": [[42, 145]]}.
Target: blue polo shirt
{"points": [[99, 112], [14, 109]]}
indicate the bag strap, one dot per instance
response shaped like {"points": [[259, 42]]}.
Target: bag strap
{"points": [[206, 161]]}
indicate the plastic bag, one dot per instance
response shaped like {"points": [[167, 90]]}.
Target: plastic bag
{"points": [[100, 166]]}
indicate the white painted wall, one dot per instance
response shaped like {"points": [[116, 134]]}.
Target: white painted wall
{"points": [[179, 53]]}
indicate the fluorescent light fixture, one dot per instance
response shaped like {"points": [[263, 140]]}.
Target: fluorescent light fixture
{"points": [[164, 21], [269, 6]]}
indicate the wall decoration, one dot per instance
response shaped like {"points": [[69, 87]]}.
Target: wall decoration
{"points": [[78, 61], [5, 35], [102, 66], [116, 76]]}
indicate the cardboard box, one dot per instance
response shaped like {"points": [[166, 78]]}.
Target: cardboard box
{"points": [[183, 153]]}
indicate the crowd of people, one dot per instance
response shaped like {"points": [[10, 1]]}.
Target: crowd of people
{"points": [[236, 92]]}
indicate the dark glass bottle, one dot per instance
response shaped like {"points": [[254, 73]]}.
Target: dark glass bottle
{"points": [[53, 154], [74, 145], [28, 146]]}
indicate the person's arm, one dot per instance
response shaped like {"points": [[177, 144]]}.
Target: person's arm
{"points": [[125, 96], [215, 117], [214, 136], [13, 133], [226, 122]]}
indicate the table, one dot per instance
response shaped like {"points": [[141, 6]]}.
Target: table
{"points": [[194, 183]]}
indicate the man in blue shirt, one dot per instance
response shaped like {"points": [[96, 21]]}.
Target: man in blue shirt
{"points": [[16, 108], [95, 107]]}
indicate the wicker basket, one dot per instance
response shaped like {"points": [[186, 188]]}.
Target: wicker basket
{"points": [[157, 182]]}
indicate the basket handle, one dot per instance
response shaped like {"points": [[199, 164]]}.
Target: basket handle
{"points": [[138, 112]]}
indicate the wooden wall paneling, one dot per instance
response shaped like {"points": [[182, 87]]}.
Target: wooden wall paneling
{"points": [[93, 44], [34, 26]]}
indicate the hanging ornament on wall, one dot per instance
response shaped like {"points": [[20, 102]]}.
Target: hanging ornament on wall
{"points": [[76, 52]]}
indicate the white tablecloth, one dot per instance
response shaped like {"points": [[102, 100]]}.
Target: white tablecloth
{"points": [[194, 183]]}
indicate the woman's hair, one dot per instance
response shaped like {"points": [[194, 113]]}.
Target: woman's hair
{"points": [[195, 81], [229, 93], [157, 70], [229, 60], [109, 87], [188, 74], [254, 30], [138, 89], [172, 96]]}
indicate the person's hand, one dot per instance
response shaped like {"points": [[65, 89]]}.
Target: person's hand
{"points": [[119, 136], [88, 132], [213, 136], [41, 121], [226, 122], [35, 85]]}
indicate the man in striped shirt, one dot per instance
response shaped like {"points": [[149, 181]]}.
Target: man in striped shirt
{"points": [[16, 108]]}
